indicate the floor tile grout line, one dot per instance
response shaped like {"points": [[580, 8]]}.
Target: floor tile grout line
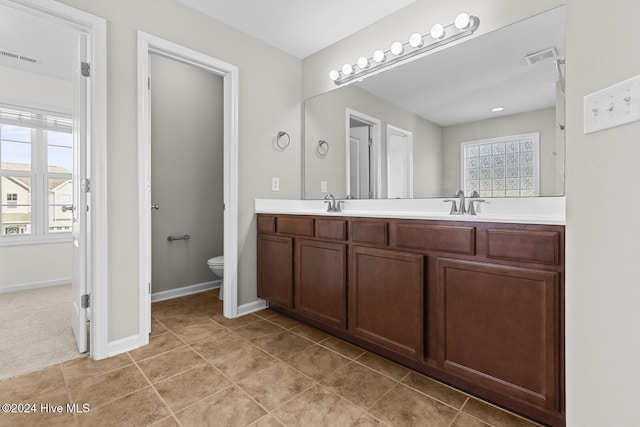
{"points": [[458, 413], [158, 394], [379, 372], [435, 398], [68, 390]]}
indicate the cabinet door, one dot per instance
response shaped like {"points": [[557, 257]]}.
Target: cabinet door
{"points": [[498, 326], [386, 299], [321, 281], [275, 269]]}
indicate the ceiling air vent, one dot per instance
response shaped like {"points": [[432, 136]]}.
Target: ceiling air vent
{"points": [[18, 57], [543, 55]]}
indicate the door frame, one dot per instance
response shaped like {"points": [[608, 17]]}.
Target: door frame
{"points": [[148, 44], [96, 240], [376, 136]]}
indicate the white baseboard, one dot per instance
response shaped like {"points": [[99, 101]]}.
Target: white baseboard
{"points": [[34, 285], [126, 344], [251, 307], [185, 290]]}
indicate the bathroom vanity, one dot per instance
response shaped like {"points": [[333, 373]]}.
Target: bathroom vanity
{"points": [[475, 303]]}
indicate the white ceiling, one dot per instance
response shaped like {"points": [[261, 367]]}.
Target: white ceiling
{"points": [[298, 27], [462, 83], [51, 45]]}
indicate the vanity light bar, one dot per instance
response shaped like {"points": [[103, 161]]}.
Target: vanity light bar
{"points": [[439, 35]]}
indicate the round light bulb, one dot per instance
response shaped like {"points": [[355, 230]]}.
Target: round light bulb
{"points": [[379, 56], [362, 62], [397, 48], [415, 40], [334, 75], [437, 31], [347, 69], [462, 21]]}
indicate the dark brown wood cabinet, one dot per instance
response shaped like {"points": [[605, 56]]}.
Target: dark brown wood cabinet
{"points": [[496, 327], [275, 269], [385, 299], [477, 305], [321, 292]]}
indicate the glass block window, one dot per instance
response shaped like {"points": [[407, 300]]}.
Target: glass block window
{"points": [[502, 167]]}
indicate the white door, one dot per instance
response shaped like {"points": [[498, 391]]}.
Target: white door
{"points": [[80, 202], [399, 163], [360, 163]]}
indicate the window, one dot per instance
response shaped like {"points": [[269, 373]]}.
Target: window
{"points": [[12, 200], [36, 164], [502, 167]]}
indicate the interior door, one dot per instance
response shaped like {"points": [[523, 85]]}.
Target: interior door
{"points": [[399, 163], [80, 201], [360, 160]]}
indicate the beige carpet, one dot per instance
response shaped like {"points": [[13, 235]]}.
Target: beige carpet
{"points": [[35, 330]]}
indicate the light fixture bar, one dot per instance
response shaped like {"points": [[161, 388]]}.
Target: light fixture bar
{"points": [[463, 26]]}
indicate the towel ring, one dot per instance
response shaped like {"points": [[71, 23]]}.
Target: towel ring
{"points": [[323, 148], [283, 140]]}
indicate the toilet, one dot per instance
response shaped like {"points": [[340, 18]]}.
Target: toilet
{"points": [[216, 265]]}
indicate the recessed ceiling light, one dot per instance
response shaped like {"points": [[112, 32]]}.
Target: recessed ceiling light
{"points": [[497, 109]]}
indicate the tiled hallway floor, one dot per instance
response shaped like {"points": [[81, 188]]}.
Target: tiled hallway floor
{"points": [[263, 369]]}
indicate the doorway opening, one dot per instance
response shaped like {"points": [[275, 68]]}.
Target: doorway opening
{"points": [[187, 224], [364, 178], [57, 157], [151, 45]]}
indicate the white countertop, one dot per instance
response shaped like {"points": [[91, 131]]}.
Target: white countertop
{"points": [[531, 210]]}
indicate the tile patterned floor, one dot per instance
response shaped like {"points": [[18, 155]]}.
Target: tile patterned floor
{"points": [[263, 369]]}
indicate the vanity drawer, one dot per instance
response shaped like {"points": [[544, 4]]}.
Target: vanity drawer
{"points": [[455, 239], [266, 224], [334, 229], [370, 232], [295, 226], [524, 245]]}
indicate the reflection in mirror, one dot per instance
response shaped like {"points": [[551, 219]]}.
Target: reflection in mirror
{"points": [[490, 92]]}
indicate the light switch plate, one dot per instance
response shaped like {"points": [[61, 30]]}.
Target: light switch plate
{"points": [[614, 106], [275, 184], [323, 186]]}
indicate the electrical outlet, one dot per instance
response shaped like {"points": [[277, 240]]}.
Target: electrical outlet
{"points": [[614, 106], [323, 186], [275, 184]]}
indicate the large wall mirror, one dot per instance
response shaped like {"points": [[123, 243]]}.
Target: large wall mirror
{"points": [[484, 115]]}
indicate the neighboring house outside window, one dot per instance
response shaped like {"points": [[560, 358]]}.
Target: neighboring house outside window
{"points": [[36, 163], [502, 167]]}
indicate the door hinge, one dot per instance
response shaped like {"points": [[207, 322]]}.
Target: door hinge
{"points": [[85, 69], [85, 302], [370, 142], [85, 185]]}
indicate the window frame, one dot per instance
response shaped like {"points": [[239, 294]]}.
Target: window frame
{"points": [[535, 136], [39, 173]]}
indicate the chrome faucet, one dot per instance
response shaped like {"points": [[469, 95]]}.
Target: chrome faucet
{"points": [[460, 195], [332, 204], [461, 200], [474, 199]]}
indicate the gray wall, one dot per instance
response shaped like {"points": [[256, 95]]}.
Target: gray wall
{"points": [[603, 222], [186, 172], [269, 101], [325, 118], [542, 121]]}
